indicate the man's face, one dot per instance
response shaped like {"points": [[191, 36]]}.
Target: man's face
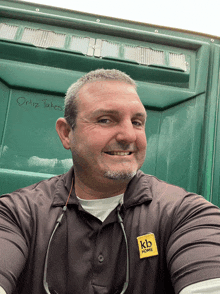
{"points": [[108, 142]]}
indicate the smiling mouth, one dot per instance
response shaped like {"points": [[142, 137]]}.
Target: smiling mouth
{"points": [[120, 153]]}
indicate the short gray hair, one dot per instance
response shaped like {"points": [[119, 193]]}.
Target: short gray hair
{"points": [[70, 112]]}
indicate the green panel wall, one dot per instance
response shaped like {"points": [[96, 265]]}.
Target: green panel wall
{"points": [[30, 141], [3, 109], [175, 144], [183, 124]]}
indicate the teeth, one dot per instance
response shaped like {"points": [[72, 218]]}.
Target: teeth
{"points": [[120, 153]]}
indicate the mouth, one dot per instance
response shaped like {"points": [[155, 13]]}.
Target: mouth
{"points": [[119, 153]]}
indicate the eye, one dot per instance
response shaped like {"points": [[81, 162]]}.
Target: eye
{"points": [[137, 123], [104, 121]]}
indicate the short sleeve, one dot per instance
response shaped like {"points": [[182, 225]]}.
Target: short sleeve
{"points": [[193, 251], [13, 241]]}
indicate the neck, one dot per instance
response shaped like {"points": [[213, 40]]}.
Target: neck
{"points": [[91, 190]]}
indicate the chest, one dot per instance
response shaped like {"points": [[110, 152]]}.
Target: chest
{"points": [[92, 257]]}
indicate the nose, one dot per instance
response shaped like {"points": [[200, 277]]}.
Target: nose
{"points": [[126, 133]]}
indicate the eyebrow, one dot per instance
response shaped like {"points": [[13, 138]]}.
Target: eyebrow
{"points": [[115, 112]]}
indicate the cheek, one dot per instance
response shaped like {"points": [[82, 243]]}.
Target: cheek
{"points": [[99, 138], [142, 142], [102, 134], [91, 143]]}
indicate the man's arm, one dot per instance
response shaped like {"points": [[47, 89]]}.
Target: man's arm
{"points": [[2, 291], [193, 247], [13, 241], [210, 286]]}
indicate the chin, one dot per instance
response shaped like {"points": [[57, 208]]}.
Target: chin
{"points": [[120, 175]]}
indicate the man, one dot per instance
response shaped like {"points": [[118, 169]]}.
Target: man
{"points": [[105, 226]]}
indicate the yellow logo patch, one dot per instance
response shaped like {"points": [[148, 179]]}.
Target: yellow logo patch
{"points": [[147, 245]]}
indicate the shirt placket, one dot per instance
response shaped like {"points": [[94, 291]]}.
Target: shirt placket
{"points": [[109, 253]]}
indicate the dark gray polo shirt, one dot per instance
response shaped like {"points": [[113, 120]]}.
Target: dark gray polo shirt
{"points": [[88, 256]]}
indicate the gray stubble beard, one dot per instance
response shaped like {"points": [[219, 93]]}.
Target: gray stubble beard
{"points": [[119, 175]]}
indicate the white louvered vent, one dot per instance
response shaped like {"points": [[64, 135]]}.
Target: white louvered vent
{"points": [[43, 38], [81, 44], [144, 56], [8, 31], [177, 60], [106, 49]]}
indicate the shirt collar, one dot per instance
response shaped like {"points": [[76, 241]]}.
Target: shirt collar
{"points": [[138, 190]]}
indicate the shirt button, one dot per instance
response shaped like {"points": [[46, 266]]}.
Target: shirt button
{"points": [[100, 258]]}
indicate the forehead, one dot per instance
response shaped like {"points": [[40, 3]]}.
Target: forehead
{"points": [[108, 93]]}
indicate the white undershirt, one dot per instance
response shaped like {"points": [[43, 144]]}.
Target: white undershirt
{"points": [[101, 208]]}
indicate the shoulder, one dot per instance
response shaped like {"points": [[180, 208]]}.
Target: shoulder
{"points": [[32, 201], [158, 190], [26, 210], [33, 193], [171, 200]]}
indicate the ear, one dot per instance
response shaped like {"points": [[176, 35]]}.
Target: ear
{"points": [[63, 130]]}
